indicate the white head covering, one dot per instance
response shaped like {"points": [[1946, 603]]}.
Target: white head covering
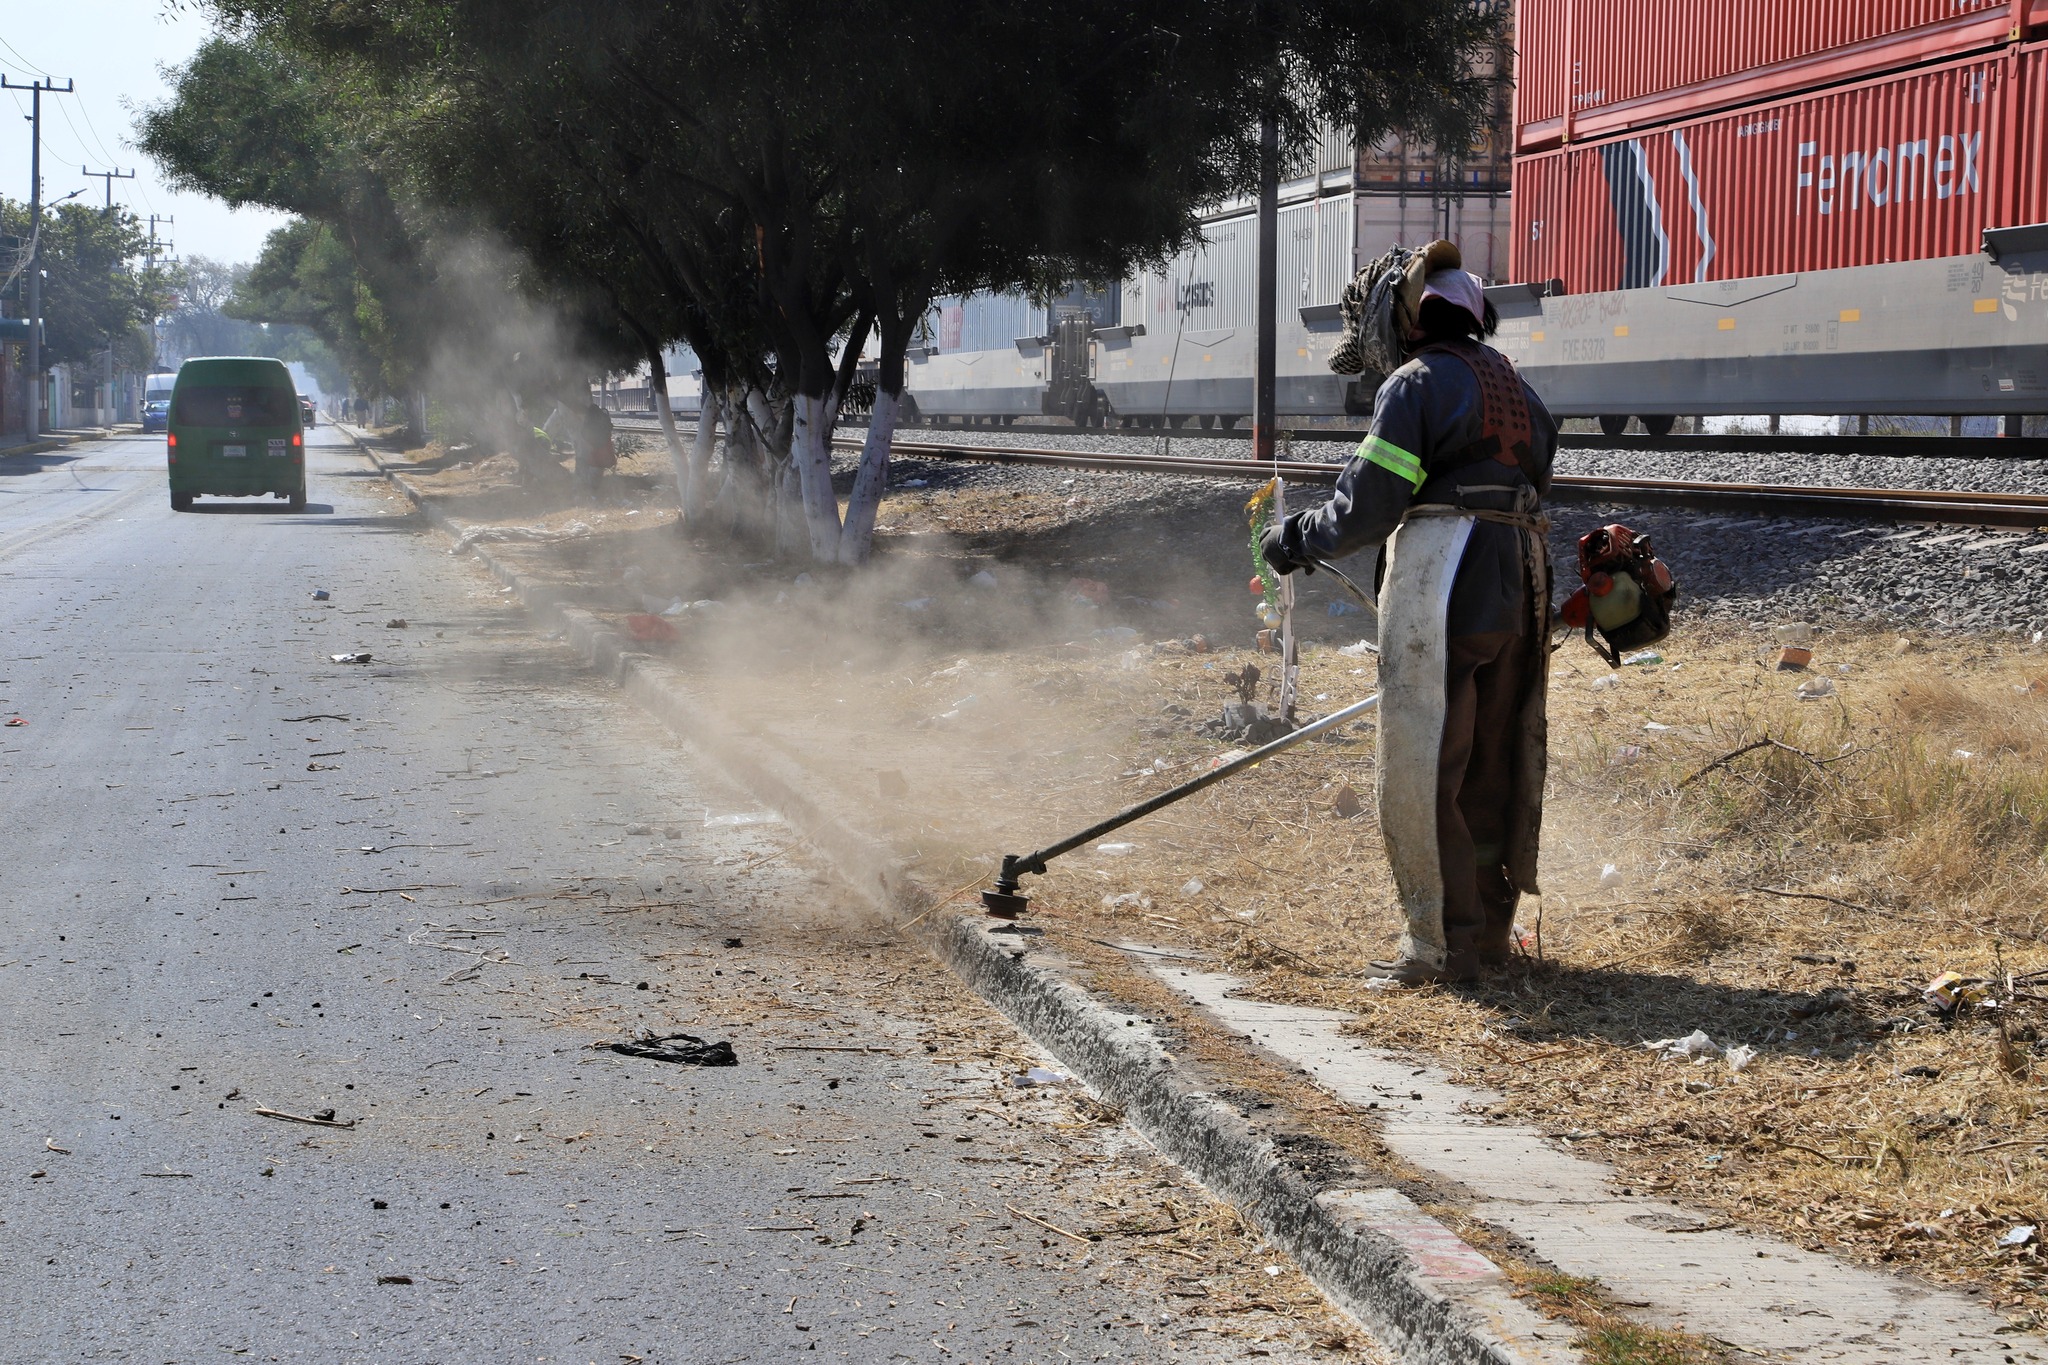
{"points": [[1458, 287]]}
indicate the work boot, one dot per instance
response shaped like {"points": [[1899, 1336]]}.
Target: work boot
{"points": [[1413, 971]]}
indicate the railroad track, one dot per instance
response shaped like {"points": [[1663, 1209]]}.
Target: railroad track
{"points": [[1885, 447], [2020, 510], [1855, 504]]}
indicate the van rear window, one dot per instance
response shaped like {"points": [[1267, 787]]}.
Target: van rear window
{"points": [[227, 405]]}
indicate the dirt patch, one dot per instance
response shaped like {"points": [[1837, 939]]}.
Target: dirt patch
{"points": [[1785, 875]]}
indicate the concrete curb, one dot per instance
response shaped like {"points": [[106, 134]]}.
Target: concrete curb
{"points": [[1419, 1287]]}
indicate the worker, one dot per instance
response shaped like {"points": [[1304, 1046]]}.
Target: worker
{"points": [[595, 449], [1450, 479]]}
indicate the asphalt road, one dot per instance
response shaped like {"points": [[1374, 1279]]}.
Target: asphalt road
{"points": [[411, 894]]}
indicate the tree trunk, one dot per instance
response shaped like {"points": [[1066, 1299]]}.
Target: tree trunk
{"points": [[697, 473], [857, 537], [811, 452], [657, 396]]}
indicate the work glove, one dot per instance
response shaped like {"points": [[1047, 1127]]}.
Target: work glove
{"points": [[1273, 549]]}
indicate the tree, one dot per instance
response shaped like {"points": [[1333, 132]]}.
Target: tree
{"points": [[97, 293], [773, 180]]}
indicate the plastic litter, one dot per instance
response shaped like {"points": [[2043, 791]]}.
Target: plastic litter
{"points": [[1799, 633], [1627, 753], [1952, 989], [1694, 1044], [1346, 804], [1642, 658], [1813, 689], [1610, 875], [1739, 1056], [1129, 900], [1192, 887], [1116, 850], [2019, 1236], [1965, 754], [1359, 650], [741, 819], [16, 721], [984, 579], [1228, 756], [319, 594], [1603, 683], [1038, 1076], [647, 628], [1131, 660], [360, 657], [1794, 659], [681, 1048]]}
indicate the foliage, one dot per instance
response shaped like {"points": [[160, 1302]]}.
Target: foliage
{"points": [[96, 289], [210, 315]]}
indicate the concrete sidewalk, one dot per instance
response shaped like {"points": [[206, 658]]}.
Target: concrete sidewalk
{"points": [[1361, 1233]]}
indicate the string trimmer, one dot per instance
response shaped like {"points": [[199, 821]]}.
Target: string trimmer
{"points": [[1005, 902]]}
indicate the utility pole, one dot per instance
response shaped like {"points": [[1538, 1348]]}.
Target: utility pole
{"points": [[35, 237], [150, 268], [110, 177]]}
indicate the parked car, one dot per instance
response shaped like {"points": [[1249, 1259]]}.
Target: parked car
{"points": [[156, 415], [307, 412], [236, 431]]}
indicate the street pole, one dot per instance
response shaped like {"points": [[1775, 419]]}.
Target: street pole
{"points": [[1264, 363], [168, 221], [110, 177], [35, 234]]}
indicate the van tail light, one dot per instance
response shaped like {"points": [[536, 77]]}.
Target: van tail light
{"points": [[171, 439], [298, 438]]}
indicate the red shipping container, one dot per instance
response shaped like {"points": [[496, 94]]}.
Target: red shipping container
{"points": [[1593, 68], [1906, 168]]}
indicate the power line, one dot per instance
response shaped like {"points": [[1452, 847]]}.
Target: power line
{"points": [[26, 64]]}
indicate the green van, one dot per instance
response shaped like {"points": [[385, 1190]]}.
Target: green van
{"points": [[235, 431]]}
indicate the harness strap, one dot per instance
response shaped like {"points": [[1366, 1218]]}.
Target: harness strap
{"points": [[1506, 431]]}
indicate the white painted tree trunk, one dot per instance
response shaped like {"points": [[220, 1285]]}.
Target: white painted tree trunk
{"points": [[857, 536], [679, 463], [696, 471], [811, 453]]}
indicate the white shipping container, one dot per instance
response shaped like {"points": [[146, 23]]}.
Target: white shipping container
{"points": [[1477, 223]]}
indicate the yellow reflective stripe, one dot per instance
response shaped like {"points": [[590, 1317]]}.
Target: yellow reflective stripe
{"points": [[1390, 457]]}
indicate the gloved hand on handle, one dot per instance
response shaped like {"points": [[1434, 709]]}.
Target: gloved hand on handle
{"points": [[1273, 549]]}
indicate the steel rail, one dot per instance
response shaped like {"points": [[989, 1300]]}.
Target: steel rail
{"points": [[2022, 510], [1800, 500], [1927, 447]]}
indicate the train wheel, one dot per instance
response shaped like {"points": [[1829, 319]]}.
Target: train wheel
{"points": [[1227, 423], [1208, 421], [1174, 423], [1611, 425], [1658, 426]]}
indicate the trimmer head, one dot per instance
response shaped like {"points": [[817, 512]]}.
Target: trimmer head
{"points": [[1003, 899], [1004, 904]]}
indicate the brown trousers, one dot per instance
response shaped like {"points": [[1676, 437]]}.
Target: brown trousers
{"points": [[1484, 676]]}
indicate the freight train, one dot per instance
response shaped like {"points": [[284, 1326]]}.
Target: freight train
{"points": [[1767, 206]]}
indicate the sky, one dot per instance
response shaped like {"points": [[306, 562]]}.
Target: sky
{"points": [[111, 49]]}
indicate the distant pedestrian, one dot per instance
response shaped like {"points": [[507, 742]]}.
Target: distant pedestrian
{"points": [[595, 449]]}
